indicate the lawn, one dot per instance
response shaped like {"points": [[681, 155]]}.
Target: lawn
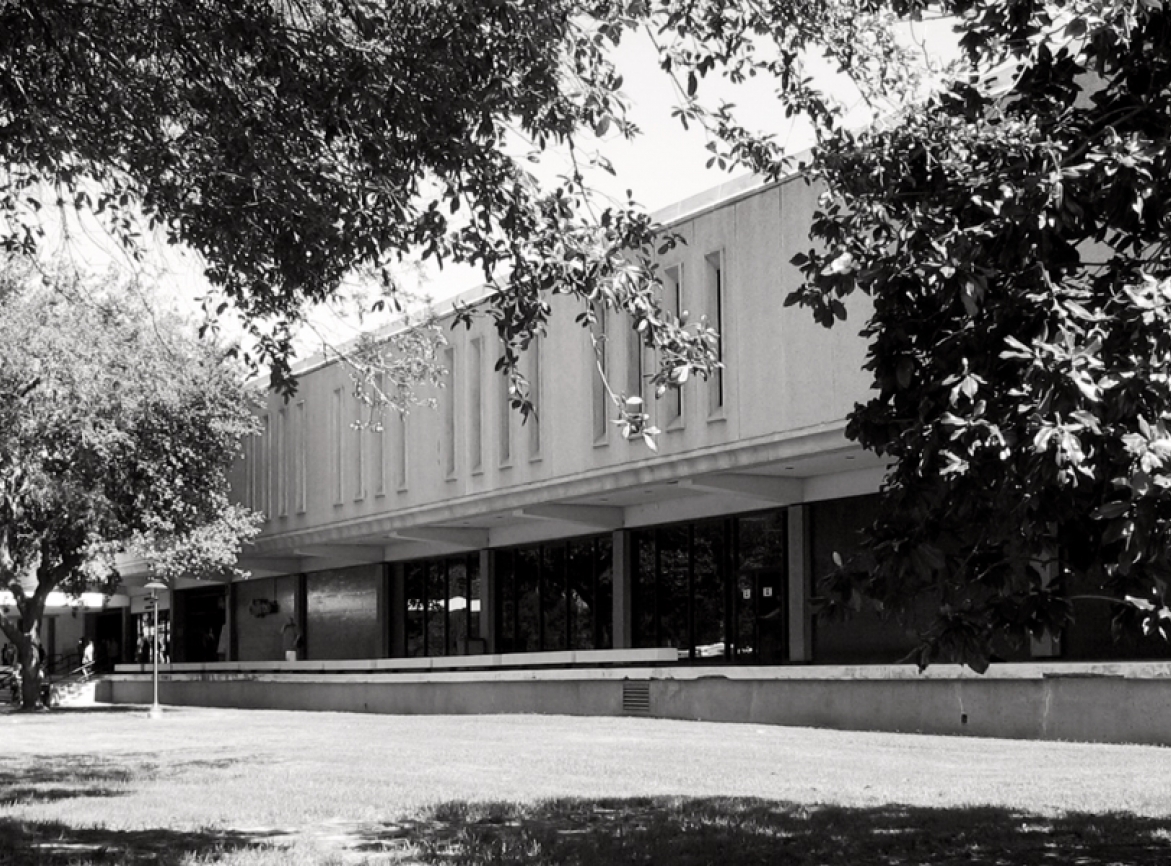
{"points": [[259, 788]]}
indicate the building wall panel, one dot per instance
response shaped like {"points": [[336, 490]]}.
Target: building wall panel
{"points": [[341, 615]]}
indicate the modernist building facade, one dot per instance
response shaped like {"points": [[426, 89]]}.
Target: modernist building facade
{"points": [[429, 556], [464, 529]]}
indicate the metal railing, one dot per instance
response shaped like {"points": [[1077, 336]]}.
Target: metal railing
{"points": [[59, 671]]}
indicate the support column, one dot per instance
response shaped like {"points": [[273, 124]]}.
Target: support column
{"points": [[178, 648], [623, 570], [302, 615], [488, 595], [398, 610], [129, 649], [385, 606], [800, 584], [230, 602]]}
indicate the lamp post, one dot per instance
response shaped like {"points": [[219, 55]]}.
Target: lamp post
{"points": [[156, 711]]}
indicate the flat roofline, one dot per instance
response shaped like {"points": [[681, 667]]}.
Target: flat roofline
{"points": [[721, 195]]}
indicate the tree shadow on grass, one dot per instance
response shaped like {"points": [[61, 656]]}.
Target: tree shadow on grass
{"points": [[51, 843], [102, 709], [51, 778], [691, 832]]}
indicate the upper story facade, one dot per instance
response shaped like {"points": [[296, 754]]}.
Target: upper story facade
{"points": [[470, 464]]}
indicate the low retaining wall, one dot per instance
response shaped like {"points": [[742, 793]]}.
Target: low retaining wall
{"points": [[1118, 703]]}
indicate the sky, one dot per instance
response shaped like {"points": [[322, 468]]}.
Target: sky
{"points": [[664, 165]]}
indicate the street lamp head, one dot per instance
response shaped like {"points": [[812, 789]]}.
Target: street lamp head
{"points": [[155, 586]]}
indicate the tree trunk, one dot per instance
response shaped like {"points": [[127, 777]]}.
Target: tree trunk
{"points": [[30, 671], [27, 637]]}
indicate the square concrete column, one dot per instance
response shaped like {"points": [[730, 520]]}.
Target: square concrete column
{"points": [[302, 614], [398, 610], [800, 584], [622, 571], [385, 611], [229, 624]]}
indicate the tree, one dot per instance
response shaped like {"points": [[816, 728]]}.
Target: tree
{"points": [[117, 431], [292, 143], [1012, 233]]}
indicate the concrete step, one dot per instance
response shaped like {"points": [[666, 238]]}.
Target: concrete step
{"points": [[76, 694]]}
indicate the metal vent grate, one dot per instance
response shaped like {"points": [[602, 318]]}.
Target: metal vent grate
{"points": [[636, 697]]}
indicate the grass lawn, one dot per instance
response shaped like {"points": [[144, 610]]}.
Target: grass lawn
{"points": [[254, 788]]}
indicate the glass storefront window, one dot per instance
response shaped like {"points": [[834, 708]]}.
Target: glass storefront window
{"points": [[443, 607], [644, 589], [713, 590], [436, 607], [144, 637], [673, 545], [763, 592], [709, 593], [554, 602], [416, 609], [526, 575], [457, 608], [555, 596]]}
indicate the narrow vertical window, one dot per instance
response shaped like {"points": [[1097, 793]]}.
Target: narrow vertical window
{"points": [[337, 419], [672, 401], [250, 461], [601, 376], [281, 460], [400, 452], [264, 465], [378, 433], [715, 318], [504, 419], [449, 414], [358, 433], [299, 469], [256, 469], [634, 359], [475, 409], [534, 420]]}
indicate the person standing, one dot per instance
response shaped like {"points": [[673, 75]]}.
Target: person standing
{"points": [[223, 644], [290, 639]]}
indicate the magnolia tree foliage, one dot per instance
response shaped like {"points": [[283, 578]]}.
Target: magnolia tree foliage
{"points": [[117, 431], [1012, 233]]}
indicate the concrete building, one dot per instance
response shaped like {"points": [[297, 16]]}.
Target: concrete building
{"points": [[457, 560]]}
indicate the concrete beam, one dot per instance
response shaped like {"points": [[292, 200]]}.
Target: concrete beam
{"points": [[276, 564], [358, 553], [600, 516], [769, 488], [468, 539]]}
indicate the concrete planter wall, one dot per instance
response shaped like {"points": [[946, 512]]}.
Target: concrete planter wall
{"points": [[1119, 703]]}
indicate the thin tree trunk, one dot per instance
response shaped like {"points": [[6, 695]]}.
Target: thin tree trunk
{"points": [[25, 634], [30, 669]]}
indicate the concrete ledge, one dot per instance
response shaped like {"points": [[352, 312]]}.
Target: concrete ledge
{"points": [[658, 661], [1090, 703], [505, 660]]}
